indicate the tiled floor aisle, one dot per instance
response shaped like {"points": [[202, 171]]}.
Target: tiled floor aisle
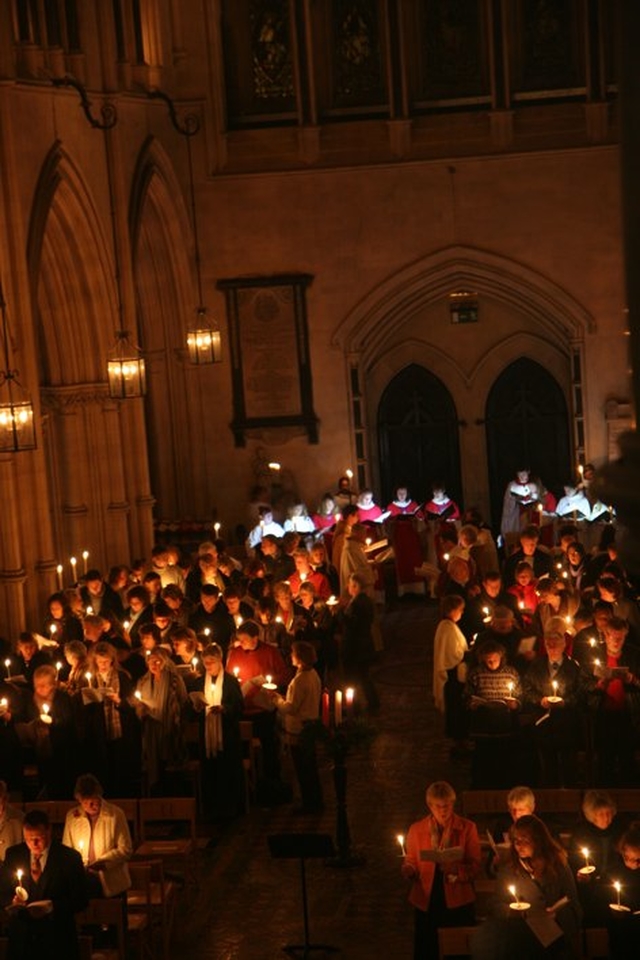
{"points": [[248, 905]]}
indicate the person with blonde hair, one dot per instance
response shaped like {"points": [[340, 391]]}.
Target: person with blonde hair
{"points": [[442, 860]]}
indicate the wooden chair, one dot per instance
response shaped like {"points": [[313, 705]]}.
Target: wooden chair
{"points": [[105, 914], [56, 810], [155, 897], [454, 941], [139, 918], [190, 771], [168, 830], [129, 807]]}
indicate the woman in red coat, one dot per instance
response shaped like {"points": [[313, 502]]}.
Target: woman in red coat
{"points": [[442, 860]]}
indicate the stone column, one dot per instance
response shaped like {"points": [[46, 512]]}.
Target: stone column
{"points": [[12, 572]]}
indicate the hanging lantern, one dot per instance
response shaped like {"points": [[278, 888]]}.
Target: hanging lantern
{"points": [[126, 369], [17, 426], [203, 341]]}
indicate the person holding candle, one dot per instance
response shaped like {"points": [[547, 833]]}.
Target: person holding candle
{"points": [[67, 626], [103, 599], [53, 878], [162, 709], [304, 573], [100, 832], [524, 591], [598, 833], [112, 729], [254, 660], [624, 878], [615, 703], [300, 708], [442, 891], [493, 696], [218, 704], [557, 722], [45, 725], [535, 872], [28, 658]]}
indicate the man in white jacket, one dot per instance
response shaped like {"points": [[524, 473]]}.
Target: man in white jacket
{"points": [[99, 831]]}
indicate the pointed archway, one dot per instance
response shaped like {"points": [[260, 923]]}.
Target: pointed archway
{"points": [[418, 435], [163, 264], [527, 425], [99, 498]]}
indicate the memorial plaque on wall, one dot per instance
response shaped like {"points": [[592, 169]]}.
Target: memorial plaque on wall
{"points": [[272, 385]]}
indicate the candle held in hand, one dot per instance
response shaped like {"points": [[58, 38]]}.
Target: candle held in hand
{"points": [[400, 839]]}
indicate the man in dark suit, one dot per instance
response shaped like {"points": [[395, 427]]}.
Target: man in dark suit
{"points": [[54, 883]]}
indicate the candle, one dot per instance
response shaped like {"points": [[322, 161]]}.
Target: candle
{"points": [[554, 684], [45, 716], [81, 850], [7, 664], [368, 541], [216, 528], [325, 708], [58, 667], [581, 471], [59, 573], [514, 894], [206, 631], [400, 839], [4, 703], [585, 854], [274, 465], [74, 564], [88, 674], [592, 641], [126, 625], [338, 707], [303, 577], [85, 557], [52, 629], [521, 605], [617, 888], [138, 696], [236, 672], [21, 893], [238, 619], [510, 687], [559, 566], [348, 699], [349, 473], [90, 610], [194, 664], [446, 557], [332, 601], [269, 685]]}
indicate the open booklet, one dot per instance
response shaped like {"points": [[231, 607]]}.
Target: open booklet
{"points": [[95, 694], [446, 855], [483, 702], [527, 645], [35, 906]]}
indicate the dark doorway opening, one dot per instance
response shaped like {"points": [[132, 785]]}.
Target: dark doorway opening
{"points": [[418, 435], [527, 425]]}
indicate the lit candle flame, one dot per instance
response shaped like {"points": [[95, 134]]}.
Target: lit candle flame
{"points": [[400, 839]]}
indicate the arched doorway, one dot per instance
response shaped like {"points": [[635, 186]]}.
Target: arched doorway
{"points": [[418, 435], [527, 425]]}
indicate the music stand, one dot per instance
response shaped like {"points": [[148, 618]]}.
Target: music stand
{"points": [[303, 846]]}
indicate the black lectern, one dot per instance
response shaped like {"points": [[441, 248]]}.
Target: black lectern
{"points": [[303, 846]]}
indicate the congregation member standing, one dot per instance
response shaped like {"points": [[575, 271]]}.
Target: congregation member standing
{"points": [[442, 860]]}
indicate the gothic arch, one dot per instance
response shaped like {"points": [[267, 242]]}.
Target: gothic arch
{"points": [[372, 325], [71, 271], [161, 241]]}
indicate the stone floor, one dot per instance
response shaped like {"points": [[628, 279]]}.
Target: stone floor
{"points": [[248, 906]]}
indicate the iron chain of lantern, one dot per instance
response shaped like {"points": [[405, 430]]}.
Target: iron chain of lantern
{"points": [[203, 336], [125, 365]]}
